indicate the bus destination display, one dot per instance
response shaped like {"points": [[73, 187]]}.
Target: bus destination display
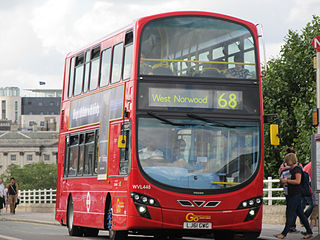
{"points": [[195, 98]]}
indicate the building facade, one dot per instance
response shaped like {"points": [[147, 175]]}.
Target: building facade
{"points": [[40, 113], [28, 126], [21, 148]]}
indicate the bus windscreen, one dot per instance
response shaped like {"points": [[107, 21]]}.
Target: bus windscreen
{"points": [[197, 46]]}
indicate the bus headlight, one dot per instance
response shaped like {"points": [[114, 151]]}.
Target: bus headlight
{"points": [[252, 213], [250, 203], [142, 209], [144, 199], [142, 202]]}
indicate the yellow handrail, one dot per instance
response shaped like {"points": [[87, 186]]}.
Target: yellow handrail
{"points": [[194, 61], [226, 183]]}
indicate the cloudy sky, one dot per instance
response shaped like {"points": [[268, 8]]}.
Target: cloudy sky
{"points": [[36, 35]]}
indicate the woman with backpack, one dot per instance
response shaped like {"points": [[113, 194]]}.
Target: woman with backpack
{"points": [[294, 198]]}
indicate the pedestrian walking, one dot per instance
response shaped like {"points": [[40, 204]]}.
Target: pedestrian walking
{"points": [[2, 196], [294, 198], [285, 174], [13, 194]]}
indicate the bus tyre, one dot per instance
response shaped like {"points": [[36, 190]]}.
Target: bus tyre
{"points": [[114, 235], [90, 232], [223, 235], [73, 230], [251, 235]]}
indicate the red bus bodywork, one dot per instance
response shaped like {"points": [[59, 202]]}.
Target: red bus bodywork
{"points": [[91, 197]]}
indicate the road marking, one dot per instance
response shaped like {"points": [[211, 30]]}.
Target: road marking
{"points": [[9, 238]]}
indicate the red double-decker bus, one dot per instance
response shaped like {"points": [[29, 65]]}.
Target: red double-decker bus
{"points": [[162, 130]]}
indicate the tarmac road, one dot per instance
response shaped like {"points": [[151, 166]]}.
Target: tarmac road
{"points": [[34, 226]]}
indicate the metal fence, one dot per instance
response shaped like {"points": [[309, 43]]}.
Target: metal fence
{"points": [[38, 196], [49, 195]]}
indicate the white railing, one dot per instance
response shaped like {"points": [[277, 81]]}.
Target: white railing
{"points": [[49, 195], [269, 190], [38, 196]]}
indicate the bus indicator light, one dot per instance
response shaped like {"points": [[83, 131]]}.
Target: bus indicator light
{"points": [[315, 119]]}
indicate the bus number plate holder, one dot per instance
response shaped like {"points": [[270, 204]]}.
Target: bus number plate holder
{"points": [[197, 225]]}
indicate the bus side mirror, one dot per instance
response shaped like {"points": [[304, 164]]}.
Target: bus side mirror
{"points": [[122, 141], [274, 134]]}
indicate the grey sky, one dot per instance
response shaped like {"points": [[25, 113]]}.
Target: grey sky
{"points": [[37, 34]]}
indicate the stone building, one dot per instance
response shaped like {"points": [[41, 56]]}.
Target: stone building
{"points": [[21, 148]]}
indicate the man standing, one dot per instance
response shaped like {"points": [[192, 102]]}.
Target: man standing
{"points": [[2, 195], [13, 194]]}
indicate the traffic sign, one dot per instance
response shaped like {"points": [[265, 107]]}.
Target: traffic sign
{"points": [[316, 43]]}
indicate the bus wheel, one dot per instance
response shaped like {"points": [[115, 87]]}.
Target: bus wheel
{"points": [[73, 230], [223, 235], [90, 232], [251, 235], [114, 235]]}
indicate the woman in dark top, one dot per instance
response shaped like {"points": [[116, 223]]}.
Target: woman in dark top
{"points": [[294, 198]]}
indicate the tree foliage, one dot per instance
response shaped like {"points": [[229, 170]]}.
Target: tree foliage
{"points": [[290, 91], [32, 176]]}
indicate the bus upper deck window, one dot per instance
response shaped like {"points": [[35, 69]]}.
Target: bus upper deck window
{"points": [[94, 72], [71, 77], [105, 67], [116, 63], [78, 74]]}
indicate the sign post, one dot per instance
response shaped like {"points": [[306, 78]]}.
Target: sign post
{"points": [[316, 148]]}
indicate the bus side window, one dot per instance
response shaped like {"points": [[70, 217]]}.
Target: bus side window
{"points": [[96, 153], [81, 156], [105, 67], [128, 56], [116, 63], [89, 153], [94, 70], [86, 72], [73, 155], [71, 78], [78, 75], [66, 157]]}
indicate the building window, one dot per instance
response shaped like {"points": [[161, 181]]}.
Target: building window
{"points": [[4, 109], [42, 123], [29, 157], [13, 157], [31, 123], [46, 157]]}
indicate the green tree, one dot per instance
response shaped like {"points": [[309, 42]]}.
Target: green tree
{"points": [[32, 176], [290, 91]]}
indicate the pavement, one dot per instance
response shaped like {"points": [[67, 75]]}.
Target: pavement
{"points": [[268, 230]]}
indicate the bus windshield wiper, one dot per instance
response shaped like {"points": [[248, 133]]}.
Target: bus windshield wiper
{"points": [[166, 121], [218, 124]]}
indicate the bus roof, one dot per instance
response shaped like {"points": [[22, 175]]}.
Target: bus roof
{"points": [[143, 20]]}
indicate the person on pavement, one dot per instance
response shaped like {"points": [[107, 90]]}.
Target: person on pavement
{"points": [[294, 198], [13, 195]]}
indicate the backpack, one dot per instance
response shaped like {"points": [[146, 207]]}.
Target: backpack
{"points": [[305, 185]]}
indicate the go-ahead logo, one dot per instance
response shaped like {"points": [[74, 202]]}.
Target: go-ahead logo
{"points": [[191, 217]]}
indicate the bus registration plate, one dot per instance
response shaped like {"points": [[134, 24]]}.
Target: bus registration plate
{"points": [[197, 225]]}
